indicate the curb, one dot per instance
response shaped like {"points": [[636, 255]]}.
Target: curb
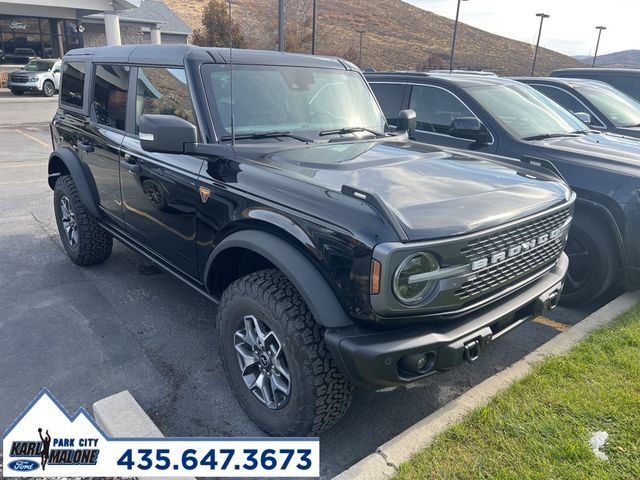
{"points": [[121, 416], [384, 462]]}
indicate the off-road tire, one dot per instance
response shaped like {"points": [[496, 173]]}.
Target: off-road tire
{"points": [[48, 88], [320, 394], [94, 243], [601, 253]]}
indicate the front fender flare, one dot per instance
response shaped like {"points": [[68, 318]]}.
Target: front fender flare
{"points": [[314, 289], [81, 176]]}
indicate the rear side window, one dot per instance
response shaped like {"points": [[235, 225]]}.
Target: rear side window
{"points": [[436, 109], [109, 104], [390, 99], [72, 88], [566, 100], [163, 91]]}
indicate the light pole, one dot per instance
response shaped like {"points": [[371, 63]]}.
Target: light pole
{"points": [[600, 29], [361, 32], [281, 23], [455, 33], [313, 29], [535, 55]]}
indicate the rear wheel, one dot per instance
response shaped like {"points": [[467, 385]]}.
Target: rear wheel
{"points": [[83, 239], [48, 89], [593, 261], [276, 359]]}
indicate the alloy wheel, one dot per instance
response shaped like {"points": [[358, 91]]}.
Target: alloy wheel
{"points": [[262, 362], [69, 223]]}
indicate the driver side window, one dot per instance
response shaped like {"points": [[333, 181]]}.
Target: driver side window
{"points": [[436, 109]]}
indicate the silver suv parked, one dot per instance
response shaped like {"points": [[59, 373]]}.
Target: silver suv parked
{"points": [[41, 76]]}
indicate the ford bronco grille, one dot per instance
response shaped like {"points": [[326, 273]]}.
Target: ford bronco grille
{"points": [[526, 264]]}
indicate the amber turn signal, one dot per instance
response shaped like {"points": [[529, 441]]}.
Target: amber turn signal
{"points": [[375, 277]]}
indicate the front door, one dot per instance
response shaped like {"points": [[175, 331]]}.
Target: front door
{"points": [[160, 191], [436, 108]]}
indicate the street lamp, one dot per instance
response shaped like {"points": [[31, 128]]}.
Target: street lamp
{"points": [[281, 25], [600, 29], [313, 29], [535, 55], [361, 32], [455, 33]]}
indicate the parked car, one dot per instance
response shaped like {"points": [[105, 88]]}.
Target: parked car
{"points": [[597, 104], [20, 56], [505, 117], [626, 80], [39, 76], [339, 253]]}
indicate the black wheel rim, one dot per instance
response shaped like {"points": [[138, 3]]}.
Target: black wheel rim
{"points": [[68, 219], [580, 265], [262, 362]]}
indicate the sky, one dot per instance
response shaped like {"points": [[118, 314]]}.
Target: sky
{"points": [[570, 30]]}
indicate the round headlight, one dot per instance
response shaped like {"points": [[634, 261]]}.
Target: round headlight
{"points": [[33, 79], [408, 287]]}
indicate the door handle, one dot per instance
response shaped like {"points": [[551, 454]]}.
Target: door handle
{"points": [[128, 162], [86, 147]]}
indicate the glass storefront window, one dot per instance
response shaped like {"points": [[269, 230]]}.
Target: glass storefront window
{"points": [[47, 37]]}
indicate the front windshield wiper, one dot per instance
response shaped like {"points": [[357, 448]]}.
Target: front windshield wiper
{"points": [[544, 136], [347, 130], [259, 136]]}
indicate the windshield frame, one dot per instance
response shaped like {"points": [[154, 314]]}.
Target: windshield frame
{"points": [[613, 92], [222, 132], [573, 124]]}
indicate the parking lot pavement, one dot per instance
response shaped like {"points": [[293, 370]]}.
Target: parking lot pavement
{"points": [[27, 109], [86, 333]]}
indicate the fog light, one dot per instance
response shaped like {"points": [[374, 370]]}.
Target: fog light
{"points": [[418, 363]]}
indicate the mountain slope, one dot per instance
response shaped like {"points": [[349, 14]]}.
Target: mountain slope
{"points": [[626, 58], [398, 35]]}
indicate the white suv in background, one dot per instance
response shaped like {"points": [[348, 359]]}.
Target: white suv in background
{"points": [[39, 75]]}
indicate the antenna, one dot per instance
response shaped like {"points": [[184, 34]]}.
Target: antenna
{"points": [[233, 121]]}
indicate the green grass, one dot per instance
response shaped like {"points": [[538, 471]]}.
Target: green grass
{"points": [[540, 427]]}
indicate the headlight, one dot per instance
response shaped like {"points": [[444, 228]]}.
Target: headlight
{"points": [[410, 284], [33, 79]]}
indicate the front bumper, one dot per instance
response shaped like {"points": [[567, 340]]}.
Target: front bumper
{"points": [[25, 87], [382, 358]]}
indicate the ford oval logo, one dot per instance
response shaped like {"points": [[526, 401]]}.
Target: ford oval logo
{"points": [[23, 465]]}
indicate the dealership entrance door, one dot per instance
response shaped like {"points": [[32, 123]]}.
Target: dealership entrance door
{"points": [[47, 37]]}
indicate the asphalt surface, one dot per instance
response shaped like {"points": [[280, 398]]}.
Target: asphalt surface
{"points": [[86, 333]]}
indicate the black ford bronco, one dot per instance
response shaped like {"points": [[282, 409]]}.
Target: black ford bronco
{"points": [[339, 253]]}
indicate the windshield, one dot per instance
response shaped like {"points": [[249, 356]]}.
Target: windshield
{"points": [[37, 66], [621, 110], [524, 112], [297, 100]]}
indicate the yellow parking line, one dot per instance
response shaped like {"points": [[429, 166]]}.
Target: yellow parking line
{"points": [[37, 140], [23, 165], [561, 327]]}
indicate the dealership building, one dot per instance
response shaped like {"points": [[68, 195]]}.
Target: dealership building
{"points": [[52, 27]]}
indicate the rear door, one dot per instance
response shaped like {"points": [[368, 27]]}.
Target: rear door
{"points": [[101, 139], [159, 191]]}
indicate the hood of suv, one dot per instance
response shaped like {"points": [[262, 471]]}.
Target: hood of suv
{"points": [[604, 151], [432, 192]]}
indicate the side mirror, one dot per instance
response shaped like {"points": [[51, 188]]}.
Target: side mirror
{"points": [[470, 128], [583, 117], [407, 121], [166, 133]]}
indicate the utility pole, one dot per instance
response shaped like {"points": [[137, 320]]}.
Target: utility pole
{"points": [[535, 55], [281, 23], [455, 34], [313, 28], [361, 32], [600, 29]]}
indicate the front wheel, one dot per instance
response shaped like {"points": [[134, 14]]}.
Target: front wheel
{"points": [[593, 261], [276, 359], [48, 89]]}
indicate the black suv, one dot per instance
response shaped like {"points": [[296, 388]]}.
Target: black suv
{"points": [[597, 104], [626, 80], [339, 253], [505, 117]]}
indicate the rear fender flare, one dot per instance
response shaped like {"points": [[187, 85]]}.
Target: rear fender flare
{"points": [[81, 176]]}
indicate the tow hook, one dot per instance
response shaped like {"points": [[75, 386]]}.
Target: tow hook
{"points": [[472, 350]]}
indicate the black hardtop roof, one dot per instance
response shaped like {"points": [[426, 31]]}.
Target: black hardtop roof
{"points": [[176, 55], [463, 80]]}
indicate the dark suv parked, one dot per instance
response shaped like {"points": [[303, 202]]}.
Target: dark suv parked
{"points": [[505, 117], [339, 253], [598, 104], [626, 80]]}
